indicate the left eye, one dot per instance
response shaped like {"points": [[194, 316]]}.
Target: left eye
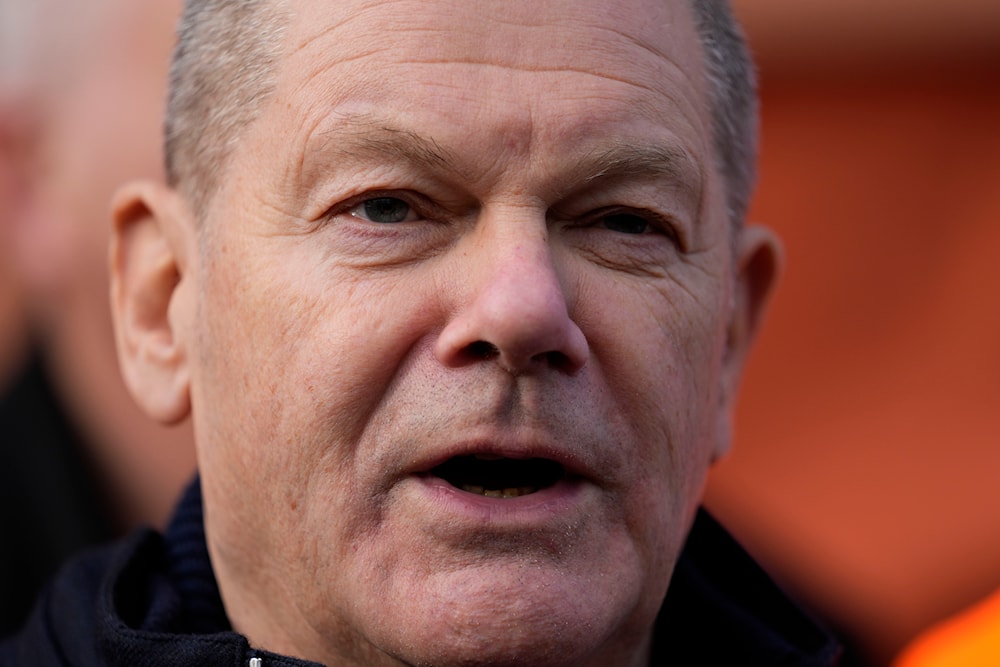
{"points": [[625, 223], [385, 210]]}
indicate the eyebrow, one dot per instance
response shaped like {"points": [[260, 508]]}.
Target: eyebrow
{"points": [[362, 135], [625, 160], [370, 139]]}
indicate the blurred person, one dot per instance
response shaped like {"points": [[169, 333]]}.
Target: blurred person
{"points": [[458, 295], [81, 89], [11, 302]]}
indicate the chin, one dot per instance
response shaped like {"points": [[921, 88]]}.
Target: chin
{"points": [[524, 620], [557, 646]]}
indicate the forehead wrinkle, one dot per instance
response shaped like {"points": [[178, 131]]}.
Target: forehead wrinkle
{"points": [[660, 86], [534, 69], [328, 30], [478, 38], [693, 76]]}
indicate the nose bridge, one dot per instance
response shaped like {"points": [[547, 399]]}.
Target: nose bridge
{"points": [[520, 276], [514, 305]]}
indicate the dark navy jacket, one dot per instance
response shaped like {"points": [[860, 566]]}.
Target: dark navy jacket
{"points": [[152, 600], [51, 504]]}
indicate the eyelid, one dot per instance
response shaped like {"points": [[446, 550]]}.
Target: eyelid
{"points": [[659, 222]]}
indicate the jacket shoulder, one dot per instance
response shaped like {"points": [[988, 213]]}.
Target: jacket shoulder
{"points": [[63, 628]]}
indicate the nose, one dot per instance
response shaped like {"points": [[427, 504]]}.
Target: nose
{"points": [[512, 307]]}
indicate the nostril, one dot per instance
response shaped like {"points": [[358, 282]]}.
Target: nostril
{"points": [[560, 362], [482, 350]]}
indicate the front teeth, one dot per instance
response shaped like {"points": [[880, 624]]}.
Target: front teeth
{"points": [[513, 492]]}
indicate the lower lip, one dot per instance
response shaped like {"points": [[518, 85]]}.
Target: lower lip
{"points": [[543, 506]]}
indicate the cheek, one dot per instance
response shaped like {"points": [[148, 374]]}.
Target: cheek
{"points": [[659, 348], [292, 369]]}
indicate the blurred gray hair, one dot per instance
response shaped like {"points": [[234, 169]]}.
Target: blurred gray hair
{"points": [[225, 61]]}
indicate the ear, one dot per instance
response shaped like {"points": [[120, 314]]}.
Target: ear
{"points": [[151, 300], [758, 264]]}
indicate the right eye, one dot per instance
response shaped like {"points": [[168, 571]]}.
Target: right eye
{"points": [[384, 210]]}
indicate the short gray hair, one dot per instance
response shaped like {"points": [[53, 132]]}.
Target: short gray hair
{"points": [[224, 66], [733, 101], [222, 70]]}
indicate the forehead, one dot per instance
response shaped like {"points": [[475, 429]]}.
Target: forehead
{"points": [[508, 32], [388, 50], [491, 82]]}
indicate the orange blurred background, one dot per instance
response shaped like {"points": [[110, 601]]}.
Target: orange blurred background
{"points": [[868, 438]]}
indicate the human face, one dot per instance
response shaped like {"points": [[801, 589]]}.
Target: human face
{"points": [[466, 247]]}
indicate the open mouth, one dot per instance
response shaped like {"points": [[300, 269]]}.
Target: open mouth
{"points": [[497, 477]]}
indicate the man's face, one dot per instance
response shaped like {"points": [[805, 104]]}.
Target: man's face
{"points": [[458, 332]]}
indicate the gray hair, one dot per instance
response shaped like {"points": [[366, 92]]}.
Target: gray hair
{"points": [[223, 69], [224, 63], [733, 101]]}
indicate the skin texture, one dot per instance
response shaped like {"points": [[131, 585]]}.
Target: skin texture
{"points": [[331, 361]]}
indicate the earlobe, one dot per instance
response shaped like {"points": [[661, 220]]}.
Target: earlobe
{"points": [[758, 264], [149, 300]]}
